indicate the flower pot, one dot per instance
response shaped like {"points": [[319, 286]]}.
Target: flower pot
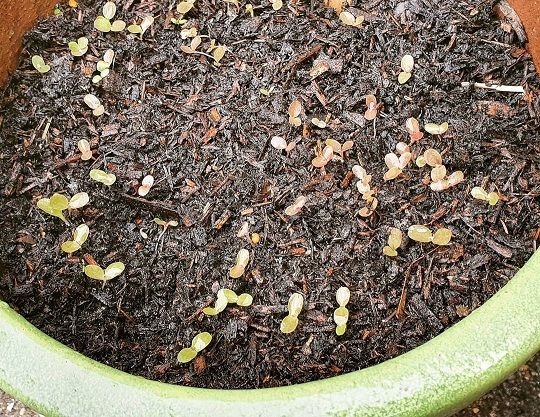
{"points": [[435, 379]]}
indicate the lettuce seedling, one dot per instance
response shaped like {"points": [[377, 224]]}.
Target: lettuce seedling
{"points": [[296, 207], [79, 237], [146, 185], [295, 108], [226, 296], [249, 9], [103, 66], [280, 143], [276, 4], [338, 147], [422, 234], [413, 128], [290, 322], [394, 242], [341, 314], [396, 164], [102, 177], [347, 18], [58, 203], [143, 27], [86, 151], [435, 129], [164, 224], [93, 102], [439, 178], [185, 6], [104, 24], [321, 124], [364, 188], [39, 64], [79, 47], [372, 107], [242, 260], [112, 271], [407, 65], [199, 342], [322, 158], [479, 193]]}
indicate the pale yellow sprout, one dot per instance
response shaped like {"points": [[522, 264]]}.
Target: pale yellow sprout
{"points": [[255, 238], [146, 184], [226, 296], [347, 18], [199, 342], [185, 6], [103, 23], [294, 306], [491, 198], [396, 164], [338, 147], [453, 179], [341, 314], [192, 48], [435, 129], [97, 273], [413, 128], [79, 237], [165, 224], [323, 157], [102, 177], [364, 188], [394, 242], [143, 27], [58, 203], [423, 234], [280, 143], [295, 108], [93, 102], [86, 151], [276, 4], [321, 124], [39, 64], [249, 9], [296, 207], [188, 33], [242, 260], [103, 66], [407, 65], [372, 107], [79, 47]]}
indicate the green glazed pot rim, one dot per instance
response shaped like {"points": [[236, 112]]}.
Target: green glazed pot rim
{"points": [[435, 379]]}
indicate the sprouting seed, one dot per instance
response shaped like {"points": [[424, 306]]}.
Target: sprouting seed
{"points": [[439, 178], [103, 66], [294, 306], [323, 157], [188, 33], [199, 342], [104, 24], [102, 177], [165, 224], [93, 102], [479, 193], [185, 6], [58, 203], [219, 305], [296, 207], [394, 242], [321, 124], [226, 296], [280, 143], [341, 314], [255, 238], [147, 183], [338, 147], [431, 157], [218, 53], [407, 65], [423, 234], [364, 187], [249, 9], [195, 43], [413, 128], [143, 27], [79, 47], [450, 181], [79, 237], [396, 164], [112, 271], [86, 151], [372, 107], [435, 129], [242, 260], [295, 108], [347, 18], [39, 64], [276, 4]]}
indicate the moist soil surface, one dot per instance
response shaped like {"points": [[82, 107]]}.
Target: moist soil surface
{"points": [[203, 131]]}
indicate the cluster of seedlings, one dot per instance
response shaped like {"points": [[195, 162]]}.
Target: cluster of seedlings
{"points": [[396, 162]]}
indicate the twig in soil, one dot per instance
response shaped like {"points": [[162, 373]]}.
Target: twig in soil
{"points": [[293, 65], [496, 87], [70, 160], [156, 205]]}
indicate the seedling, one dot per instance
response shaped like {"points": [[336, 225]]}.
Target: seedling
{"points": [[290, 322], [451, 180], [364, 188], [491, 198], [199, 342], [407, 65], [165, 224], [295, 108], [102, 177], [242, 260], [394, 242], [338, 147], [431, 157], [323, 157], [195, 42], [39, 64], [146, 184], [341, 314], [396, 164], [255, 238], [79, 237], [276, 4], [439, 178], [218, 53], [143, 27], [372, 107], [226, 296], [103, 66], [93, 102], [280, 143], [413, 127], [79, 47], [347, 18], [435, 129], [58, 203], [104, 24], [296, 207], [112, 271], [185, 6], [321, 124], [249, 9], [188, 33], [86, 151], [422, 234]]}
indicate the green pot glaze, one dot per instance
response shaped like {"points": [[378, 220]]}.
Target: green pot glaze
{"points": [[435, 379]]}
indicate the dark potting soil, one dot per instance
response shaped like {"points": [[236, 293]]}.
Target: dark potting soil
{"points": [[203, 131]]}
